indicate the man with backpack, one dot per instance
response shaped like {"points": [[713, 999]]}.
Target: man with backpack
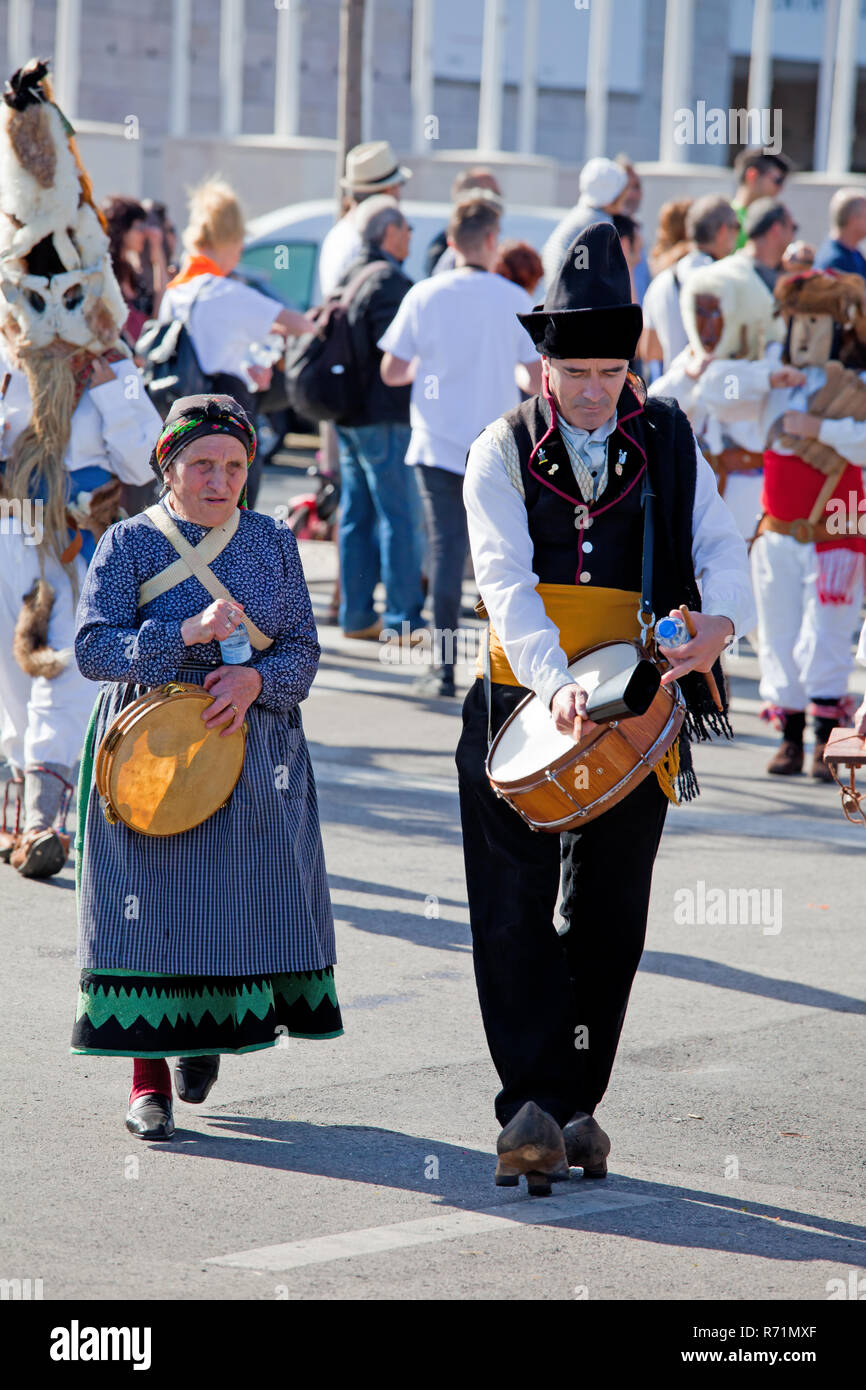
{"points": [[380, 532], [457, 340]]}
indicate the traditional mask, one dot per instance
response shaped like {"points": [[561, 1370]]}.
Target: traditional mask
{"points": [[710, 320], [811, 340], [69, 307]]}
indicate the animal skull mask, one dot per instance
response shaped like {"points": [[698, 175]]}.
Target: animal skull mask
{"points": [[48, 224], [67, 307]]}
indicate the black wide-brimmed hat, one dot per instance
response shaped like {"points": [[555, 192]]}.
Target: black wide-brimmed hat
{"points": [[588, 309]]}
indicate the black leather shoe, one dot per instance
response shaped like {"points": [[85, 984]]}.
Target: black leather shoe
{"points": [[586, 1145], [194, 1077], [150, 1117], [531, 1143]]}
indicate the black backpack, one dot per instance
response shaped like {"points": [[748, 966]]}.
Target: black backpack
{"points": [[171, 368], [325, 379]]}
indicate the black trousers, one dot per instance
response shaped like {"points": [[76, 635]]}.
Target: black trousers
{"points": [[538, 991]]}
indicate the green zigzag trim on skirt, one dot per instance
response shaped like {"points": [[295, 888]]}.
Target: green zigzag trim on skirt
{"points": [[165, 1003], [124, 1014]]}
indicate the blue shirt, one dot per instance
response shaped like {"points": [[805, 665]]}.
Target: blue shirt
{"points": [[832, 255]]}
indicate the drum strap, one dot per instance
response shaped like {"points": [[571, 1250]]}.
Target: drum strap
{"points": [[647, 616], [194, 564]]}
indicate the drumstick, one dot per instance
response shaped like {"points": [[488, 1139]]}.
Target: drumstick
{"points": [[707, 675]]}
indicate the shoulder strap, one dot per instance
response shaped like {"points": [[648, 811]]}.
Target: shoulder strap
{"points": [[212, 545], [348, 292], [163, 522]]}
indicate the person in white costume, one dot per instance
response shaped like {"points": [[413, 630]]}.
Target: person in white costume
{"points": [[75, 424], [727, 316], [808, 558]]}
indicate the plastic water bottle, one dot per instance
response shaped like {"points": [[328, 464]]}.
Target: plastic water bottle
{"points": [[236, 649], [671, 632]]}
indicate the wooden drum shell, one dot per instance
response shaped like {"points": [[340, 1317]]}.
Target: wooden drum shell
{"points": [[617, 757]]}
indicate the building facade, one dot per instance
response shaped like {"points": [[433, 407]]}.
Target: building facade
{"points": [[561, 79]]}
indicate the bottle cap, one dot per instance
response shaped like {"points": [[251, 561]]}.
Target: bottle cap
{"points": [[666, 627]]}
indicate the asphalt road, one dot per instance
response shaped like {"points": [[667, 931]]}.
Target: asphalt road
{"points": [[362, 1168]]}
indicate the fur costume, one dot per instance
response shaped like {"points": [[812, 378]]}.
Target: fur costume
{"points": [[30, 643], [60, 309], [46, 205], [60, 304], [843, 396], [748, 314]]}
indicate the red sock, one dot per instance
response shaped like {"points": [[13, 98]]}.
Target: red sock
{"points": [[149, 1075]]}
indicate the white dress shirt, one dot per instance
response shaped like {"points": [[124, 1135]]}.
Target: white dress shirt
{"points": [[502, 552]]}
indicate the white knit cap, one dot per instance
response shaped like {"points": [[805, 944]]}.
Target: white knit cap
{"points": [[601, 181]]}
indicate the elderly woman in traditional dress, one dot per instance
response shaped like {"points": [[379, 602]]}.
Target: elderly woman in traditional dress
{"points": [[220, 938]]}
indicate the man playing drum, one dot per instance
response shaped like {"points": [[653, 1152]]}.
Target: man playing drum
{"points": [[555, 495]]}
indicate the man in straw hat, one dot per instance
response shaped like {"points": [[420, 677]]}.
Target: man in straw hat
{"points": [[807, 562], [555, 492], [370, 169]]}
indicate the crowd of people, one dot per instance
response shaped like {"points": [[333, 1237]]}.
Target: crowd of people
{"points": [[490, 429], [707, 287]]}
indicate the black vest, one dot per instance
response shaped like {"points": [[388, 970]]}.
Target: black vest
{"points": [[655, 430]]}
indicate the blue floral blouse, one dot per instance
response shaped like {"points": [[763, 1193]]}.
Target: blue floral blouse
{"points": [[260, 567]]}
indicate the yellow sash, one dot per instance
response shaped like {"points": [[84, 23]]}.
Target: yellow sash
{"points": [[583, 616]]}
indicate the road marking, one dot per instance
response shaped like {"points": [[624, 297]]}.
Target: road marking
{"points": [[347, 1245]]}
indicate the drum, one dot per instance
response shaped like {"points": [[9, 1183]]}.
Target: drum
{"points": [[556, 784], [159, 769]]}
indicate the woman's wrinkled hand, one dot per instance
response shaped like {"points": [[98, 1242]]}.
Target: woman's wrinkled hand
{"points": [[213, 624], [234, 689]]}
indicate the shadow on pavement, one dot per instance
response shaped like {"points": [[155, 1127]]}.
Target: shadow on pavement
{"points": [[358, 1153], [713, 972]]}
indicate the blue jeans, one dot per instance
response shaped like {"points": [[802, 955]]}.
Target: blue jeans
{"points": [[380, 532], [442, 496]]}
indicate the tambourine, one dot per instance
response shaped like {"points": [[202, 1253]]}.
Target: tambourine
{"points": [[159, 769]]}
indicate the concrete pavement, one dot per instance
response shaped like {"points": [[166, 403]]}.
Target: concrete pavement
{"points": [[362, 1168]]}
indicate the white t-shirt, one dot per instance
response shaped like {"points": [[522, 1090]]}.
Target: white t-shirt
{"points": [[463, 327], [340, 247], [661, 304], [226, 317]]}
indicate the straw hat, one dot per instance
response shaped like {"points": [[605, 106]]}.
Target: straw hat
{"points": [[372, 167]]}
